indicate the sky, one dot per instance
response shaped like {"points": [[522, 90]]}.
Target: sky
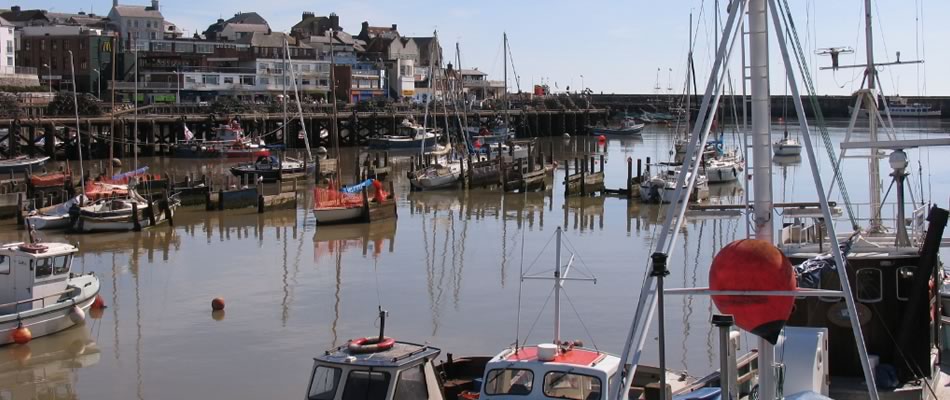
{"points": [[610, 46]]}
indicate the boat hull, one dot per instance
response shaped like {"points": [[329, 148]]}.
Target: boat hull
{"points": [[22, 165], [337, 215], [722, 174], [116, 221], [635, 131], [407, 144], [249, 153], [54, 317], [787, 150], [46, 222]]}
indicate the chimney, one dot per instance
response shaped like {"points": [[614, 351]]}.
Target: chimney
{"points": [[155, 5], [365, 26], [115, 3], [15, 9], [394, 27], [334, 21]]}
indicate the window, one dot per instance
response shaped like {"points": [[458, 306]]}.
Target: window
{"points": [[43, 44], [323, 384], [411, 384], [43, 267], [60, 265], [65, 45], [305, 82], [135, 23], [10, 60], [5, 265], [162, 46], [189, 79], [52, 44], [82, 45], [26, 45], [905, 282], [229, 79], [204, 48], [209, 79], [83, 65], [247, 80], [184, 48], [509, 381], [366, 385], [9, 46], [264, 80], [565, 385], [869, 285]]}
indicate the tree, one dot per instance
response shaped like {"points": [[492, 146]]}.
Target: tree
{"points": [[62, 104], [227, 105], [8, 105]]}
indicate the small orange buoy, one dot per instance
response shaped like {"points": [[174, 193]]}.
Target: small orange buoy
{"points": [[602, 139], [95, 313], [217, 315], [217, 304], [22, 335], [98, 303]]}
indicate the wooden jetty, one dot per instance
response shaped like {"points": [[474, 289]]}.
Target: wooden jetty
{"points": [[584, 181], [282, 194]]}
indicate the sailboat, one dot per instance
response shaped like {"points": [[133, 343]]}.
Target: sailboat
{"points": [[787, 147]]}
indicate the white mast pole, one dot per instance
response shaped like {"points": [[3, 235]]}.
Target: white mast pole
{"points": [[762, 161], [135, 115], [557, 290], [82, 175], [874, 163]]}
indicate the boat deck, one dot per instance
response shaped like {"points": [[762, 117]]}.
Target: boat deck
{"points": [[854, 388]]}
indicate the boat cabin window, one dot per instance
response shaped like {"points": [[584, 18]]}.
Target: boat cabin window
{"points": [[509, 381], [566, 385], [324, 382], [43, 267], [60, 265], [5, 265], [905, 282], [366, 385], [869, 285], [411, 384]]}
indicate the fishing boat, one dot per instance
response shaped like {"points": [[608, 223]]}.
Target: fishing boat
{"points": [[125, 213], [661, 187], [41, 295], [411, 137], [270, 168], [226, 140], [483, 135], [628, 127], [900, 108], [787, 147], [22, 164], [354, 204], [56, 216]]}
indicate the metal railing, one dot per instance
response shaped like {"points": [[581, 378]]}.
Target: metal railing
{"points": [[17, 304]]}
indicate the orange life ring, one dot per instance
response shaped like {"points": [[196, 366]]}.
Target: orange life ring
{"points": [[370, 345]]}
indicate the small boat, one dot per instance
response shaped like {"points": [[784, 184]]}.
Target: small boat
{"points": [[628, 127], [900, 108], [661, 188], [723, 170], [226, 140], [270, 168], [245, 149], [333, 206], [483, 135], [56, 216], [441, 176], [127, 213], [415, 137], [788, 146], [40, 293], [21, 164]]}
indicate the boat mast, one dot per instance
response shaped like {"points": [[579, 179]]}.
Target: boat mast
{"points": [[82, 175], [874, 162], [135, 109], [335, 133], [504, 52], [293, 78]]}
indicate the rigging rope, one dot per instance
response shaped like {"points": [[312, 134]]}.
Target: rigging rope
{"points": [[816, 109]]}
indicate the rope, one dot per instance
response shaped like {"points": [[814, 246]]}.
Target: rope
{"points": [[581, 320], [537, 318], [816, 109]]}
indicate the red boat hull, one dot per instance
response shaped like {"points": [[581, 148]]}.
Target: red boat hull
{"points": [[247, 153]]}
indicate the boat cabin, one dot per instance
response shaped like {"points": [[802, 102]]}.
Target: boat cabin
{"points": [[403, 371], [267, 162], [33, 271], [549, 371]]}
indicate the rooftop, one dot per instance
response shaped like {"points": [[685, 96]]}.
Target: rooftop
{"points": [[252, 18], [579, 357], [400, 354], [137, 11], [52, 248]]}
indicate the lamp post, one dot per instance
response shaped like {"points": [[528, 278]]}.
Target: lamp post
{"points": [[49, 77], [98, 84], [583, 87]]}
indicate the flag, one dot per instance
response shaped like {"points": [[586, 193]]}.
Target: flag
{"points": [[188, 134], [301, 134]]}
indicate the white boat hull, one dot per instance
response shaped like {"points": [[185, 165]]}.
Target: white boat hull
{"points": [[722, 174], [123, 223], [53, 317], [335, 215], [43, 222], [787, 149]]}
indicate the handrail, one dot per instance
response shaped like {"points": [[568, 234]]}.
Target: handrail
{"points": [[43, 299]]}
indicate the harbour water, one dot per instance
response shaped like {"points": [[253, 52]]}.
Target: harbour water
{"points": [[447, 271]]}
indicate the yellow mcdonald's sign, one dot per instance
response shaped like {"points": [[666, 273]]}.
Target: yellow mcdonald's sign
{"points": [[106, 46]]}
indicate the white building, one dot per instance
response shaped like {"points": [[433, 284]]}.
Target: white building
{"points": [[402, 79], [137, 24], [266, 78], [7, 48]]}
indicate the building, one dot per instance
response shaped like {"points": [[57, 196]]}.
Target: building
{"points": [[236, 28], [476, 85], [368, 33], [137, 24], [312, 25], [46, 48]]}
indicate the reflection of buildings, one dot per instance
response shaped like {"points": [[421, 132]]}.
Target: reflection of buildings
{"points": [[45, 368]]}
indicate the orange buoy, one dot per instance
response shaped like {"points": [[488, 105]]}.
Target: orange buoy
{"points": [[754, 265], [98, 303], [21, 335], [217, 304], [602, 139], [217, 315], [21, 353], [95, 313]]}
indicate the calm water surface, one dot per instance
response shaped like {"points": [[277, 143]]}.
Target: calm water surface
{"points": [[448, 272]]}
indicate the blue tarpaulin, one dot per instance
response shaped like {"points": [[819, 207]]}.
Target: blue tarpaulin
{"points": [[123, 175], [357, 187]]}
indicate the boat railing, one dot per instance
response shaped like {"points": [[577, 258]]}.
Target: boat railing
{"points": [[915, 222], [17, 304]]}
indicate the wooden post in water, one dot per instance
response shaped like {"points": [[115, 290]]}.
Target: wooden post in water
{"points": [[584, 180], [136, 225], [630, 176], [567, 173], [220, 199], [260, 196]]}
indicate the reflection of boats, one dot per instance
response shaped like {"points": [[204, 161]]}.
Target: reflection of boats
{"points": [[270, 168], [21, 164], [628, 127], [786, 160], [47, 365], [39, 291], [338, 237]]}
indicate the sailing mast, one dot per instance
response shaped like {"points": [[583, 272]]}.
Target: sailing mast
{"points": [[293, 78], [875, 165], [335, 133], [504, 52], [82, 175]]}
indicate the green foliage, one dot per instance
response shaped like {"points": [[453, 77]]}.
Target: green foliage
{"points": [[227, 105], [62, 104], [8, 105]]}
